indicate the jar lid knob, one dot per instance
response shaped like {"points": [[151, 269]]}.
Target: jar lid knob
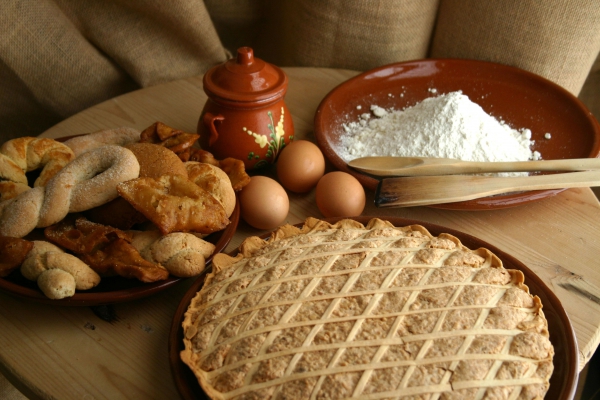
{"points": [[245, 78], [245, 56]]}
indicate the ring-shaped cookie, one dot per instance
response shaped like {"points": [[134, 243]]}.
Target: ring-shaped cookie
{"points": [[88, 181], [25, 154], [121, 136]]}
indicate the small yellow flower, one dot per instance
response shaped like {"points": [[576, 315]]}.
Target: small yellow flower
{"points": [[279, 131], [274, 140], [260, 139]]}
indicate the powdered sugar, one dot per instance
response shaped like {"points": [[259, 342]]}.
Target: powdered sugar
{"points": [[449, 125]]}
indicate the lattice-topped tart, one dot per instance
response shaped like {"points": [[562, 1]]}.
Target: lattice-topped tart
{"points": [[375, 312]]}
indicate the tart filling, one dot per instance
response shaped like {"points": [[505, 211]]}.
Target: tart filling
{"points": [[376, 311]]}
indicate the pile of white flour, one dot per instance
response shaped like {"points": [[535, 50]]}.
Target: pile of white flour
{"points": [[448, 126]]}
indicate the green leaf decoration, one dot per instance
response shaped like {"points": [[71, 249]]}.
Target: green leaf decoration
{"points": [[261, 164]]}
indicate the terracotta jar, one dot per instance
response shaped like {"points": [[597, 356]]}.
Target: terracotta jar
{"points": [[245, 116]]}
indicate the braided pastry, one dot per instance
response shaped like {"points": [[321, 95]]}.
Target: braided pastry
{"points": [[118, 136], [9, 189], [21, 155], [57, 273], [88, 181]]}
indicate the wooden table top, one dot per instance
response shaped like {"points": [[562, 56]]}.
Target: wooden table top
{"points": [[69, 352]]}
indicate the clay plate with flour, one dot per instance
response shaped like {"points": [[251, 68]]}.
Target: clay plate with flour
{"points": [[518, 97], [563, 382]]}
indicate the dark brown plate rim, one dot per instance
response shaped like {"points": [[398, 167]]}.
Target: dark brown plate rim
{"points": [[129, 289], [563, 382], [486, 203]]}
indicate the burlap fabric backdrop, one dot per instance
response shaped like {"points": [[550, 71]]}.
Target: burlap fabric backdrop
{"points": [[58, 57]]}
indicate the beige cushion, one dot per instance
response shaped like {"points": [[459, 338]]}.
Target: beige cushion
{"points": [[120, 46], [69, 55], [556, 39]]}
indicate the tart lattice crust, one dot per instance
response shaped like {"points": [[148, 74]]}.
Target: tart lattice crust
{"points": [[374, 312]]}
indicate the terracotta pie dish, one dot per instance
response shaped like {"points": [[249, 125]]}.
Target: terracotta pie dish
{"points": [[563, 381], [520, 98]]}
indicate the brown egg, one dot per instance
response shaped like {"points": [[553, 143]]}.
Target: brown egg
{"points": [[339, 194], [264, 203], [300, 166]]}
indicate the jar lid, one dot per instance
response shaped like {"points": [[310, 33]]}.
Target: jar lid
{"points": [[245, 79]]}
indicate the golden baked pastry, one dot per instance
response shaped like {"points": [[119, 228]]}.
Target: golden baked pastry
{"points": [[234, 168], [12, 253], [25, 154], [58, 274], [107, 250], [176, 140], [348, 311], [215, 181], [9, 190], [175, 204], [88, 181], [182, 254], [155, 161]]}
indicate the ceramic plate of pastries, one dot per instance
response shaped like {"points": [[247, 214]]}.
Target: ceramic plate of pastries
{"points": [[371, 308], [113, 215]]}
